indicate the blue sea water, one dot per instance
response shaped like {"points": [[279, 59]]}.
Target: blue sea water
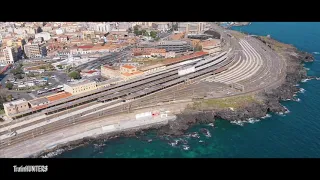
{"points": [[295, 134]]}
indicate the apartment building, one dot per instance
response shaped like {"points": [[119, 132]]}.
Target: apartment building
{"points": [[86, 35], [101, 27], [8, 56], [191, 27], [175, 46], [79, 87], [33, 50], [45, 35], [15, 107]]}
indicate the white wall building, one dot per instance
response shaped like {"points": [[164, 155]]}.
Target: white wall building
{"points": [[8, 56], [102, 27], [45, 35], [59, 31]]}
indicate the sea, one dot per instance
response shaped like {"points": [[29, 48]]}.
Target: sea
{"points": [[295, 134]]}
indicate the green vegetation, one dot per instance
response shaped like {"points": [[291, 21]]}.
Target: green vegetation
{"points": [[9, 97], [136, 30], [275, 45], [1, 111], [153, 34], [19, 76], [223, 103], [9, 85], [3, 99], [31, 74], [238, 35], [59, 66], [75, 75]]}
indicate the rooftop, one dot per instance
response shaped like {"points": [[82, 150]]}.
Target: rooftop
{"points": [[90, 71], [151, 67], [85, 47], [128, 66], [108, 67], [38, 101], [80, 82], [14, 103], [132, 74], [58, 96], [183, 58]]}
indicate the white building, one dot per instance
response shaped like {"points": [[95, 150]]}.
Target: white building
{"points": [[59, 31], [102, 27], [45, 35], [162, 26], [8, 56], [191, 27]]}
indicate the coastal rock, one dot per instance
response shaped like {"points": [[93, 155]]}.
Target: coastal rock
{"points": [[294, 70]]}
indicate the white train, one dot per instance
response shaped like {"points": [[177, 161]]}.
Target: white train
{"points": [[186, 70]]}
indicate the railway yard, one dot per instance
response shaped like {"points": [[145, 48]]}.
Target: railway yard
{"points": [[245, 65]]}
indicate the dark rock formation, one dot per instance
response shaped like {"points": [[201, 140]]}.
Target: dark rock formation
{"points": [[295, 72]]}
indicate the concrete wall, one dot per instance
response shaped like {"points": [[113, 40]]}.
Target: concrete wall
{"points": [[16, 108]]}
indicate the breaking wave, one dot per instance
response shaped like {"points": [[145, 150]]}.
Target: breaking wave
{"points": [[305, 80], [53, 154], [266, 116], [302, 90]]}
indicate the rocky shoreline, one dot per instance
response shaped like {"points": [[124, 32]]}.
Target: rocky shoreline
{"points": [[295, 73]]}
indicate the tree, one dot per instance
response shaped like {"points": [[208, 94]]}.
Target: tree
{"points": [[9, 97], [9, 85], [144, 32], [31, 74], [39, 30], [75, 75], [59, 66], [136, 30], [18, 76], [153, 34]]}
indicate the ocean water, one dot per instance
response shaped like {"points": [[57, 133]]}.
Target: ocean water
{"points": [[293, 134]]}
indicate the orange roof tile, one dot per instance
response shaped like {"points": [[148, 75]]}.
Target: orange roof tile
{"points": [[39, 107], [108, 67], [183, 58], [128, 66], [58, 96]]}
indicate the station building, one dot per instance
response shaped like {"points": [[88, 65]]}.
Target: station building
{"points": [[79, 87], [15, 107]]}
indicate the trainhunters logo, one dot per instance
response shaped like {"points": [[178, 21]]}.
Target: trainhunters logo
{"points": [[39, 168]]}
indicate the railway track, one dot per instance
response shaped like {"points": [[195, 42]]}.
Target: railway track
{"points": [[80, 118]]}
